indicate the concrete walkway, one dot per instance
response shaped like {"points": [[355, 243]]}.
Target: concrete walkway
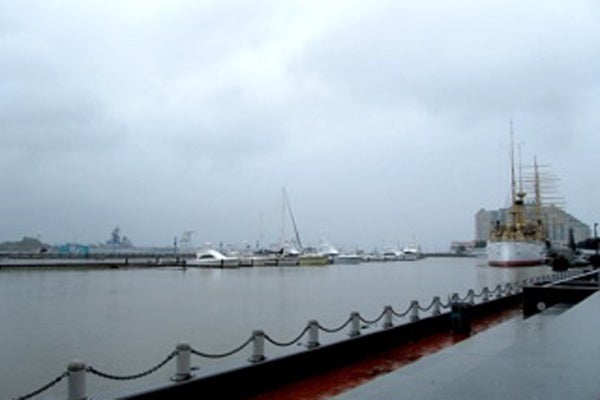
{"points": [[553, 355]]}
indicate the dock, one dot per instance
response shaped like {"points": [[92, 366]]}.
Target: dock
{"points": [[95, 260], [554, 354]]}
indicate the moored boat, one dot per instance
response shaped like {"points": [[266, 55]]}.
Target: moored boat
{"points": [[313, 259], [392, 255], [349, 259], [516, 253], [213, 258], [329, 251], [412, 252], [285, 257], [520, 241]]}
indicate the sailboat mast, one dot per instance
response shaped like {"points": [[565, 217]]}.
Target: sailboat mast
{"points": [[282, 238], [287, 201], [260, 234]]}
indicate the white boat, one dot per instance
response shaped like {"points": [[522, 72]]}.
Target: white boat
{"points": [[285, 257], [329, 251], [521, 241], [349, 259], [288, 260], [516, 253], [213, 258], [289, 254], [261, 258], [373, 257], [412, 252], [392, 255]]}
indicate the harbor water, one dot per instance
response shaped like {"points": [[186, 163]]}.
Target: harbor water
{"points": [[124, 321]]}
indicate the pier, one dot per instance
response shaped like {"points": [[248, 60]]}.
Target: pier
{"points": [[121, 259], [142, 259], [390, 329], [552, 354]]}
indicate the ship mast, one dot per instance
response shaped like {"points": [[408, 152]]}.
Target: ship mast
{"points": [[517, 210], [519, 145], [538, 196], [512, 164]]}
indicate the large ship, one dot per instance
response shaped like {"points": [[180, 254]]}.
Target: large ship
{"points": [[521, 240]]}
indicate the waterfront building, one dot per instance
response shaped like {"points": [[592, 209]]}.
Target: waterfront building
{"points": [[557, 223]]}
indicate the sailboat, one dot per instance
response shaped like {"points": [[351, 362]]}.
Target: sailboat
{"points": [[304, 256], [520, 242]]}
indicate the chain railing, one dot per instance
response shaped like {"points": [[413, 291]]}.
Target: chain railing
{"points": [[335, 330], [76, 370], [402, 314], [105, 375], [289, 343], [223, 355], [372, 321], [42, 389], [429, 307]]}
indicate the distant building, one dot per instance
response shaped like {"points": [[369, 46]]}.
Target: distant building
{"points": [[556, 221], [27, 244], [73, 249]]}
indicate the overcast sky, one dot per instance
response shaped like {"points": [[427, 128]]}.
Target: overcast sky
{"points": [[386, 121]]}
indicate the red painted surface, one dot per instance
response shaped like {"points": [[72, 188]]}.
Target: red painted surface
{"points": [[342, 379]]}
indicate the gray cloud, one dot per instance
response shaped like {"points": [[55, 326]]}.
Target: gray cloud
{"points": [[385, 121]]}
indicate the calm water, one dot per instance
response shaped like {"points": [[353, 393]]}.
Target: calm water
{"points": [[126, 321]]}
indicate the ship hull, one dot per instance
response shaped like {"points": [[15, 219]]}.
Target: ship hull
{"points": [[516, 253]]}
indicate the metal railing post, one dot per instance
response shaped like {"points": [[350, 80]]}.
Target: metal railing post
{"points": [[437, 306], [313, 334], [354, 324], [76, 380], [387, 317], [258, 347], [455, 298], [471, 297], [414, 311], [486, 295], [499, 290], [183, 367]]}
